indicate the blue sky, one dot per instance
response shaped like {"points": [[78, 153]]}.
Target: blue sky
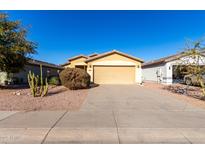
{"points": [[144, 34]]}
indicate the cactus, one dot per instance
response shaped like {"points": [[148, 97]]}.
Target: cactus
{"points": [[41, 81], [34, 85], [45, 88]]}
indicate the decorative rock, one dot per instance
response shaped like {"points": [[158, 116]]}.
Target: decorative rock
{"points": [[18, 93]]}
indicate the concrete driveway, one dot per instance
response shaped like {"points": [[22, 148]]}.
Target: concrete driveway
{"points": [[111, 114]]}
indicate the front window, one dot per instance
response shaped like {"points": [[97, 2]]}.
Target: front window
{"points": [[81, 67]]}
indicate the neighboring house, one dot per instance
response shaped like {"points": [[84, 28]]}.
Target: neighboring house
{"points": [[163, 70], [112, 67], [34, 66]]}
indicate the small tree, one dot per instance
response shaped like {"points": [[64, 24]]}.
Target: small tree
{"points": [[193, 60], [14, 46]]}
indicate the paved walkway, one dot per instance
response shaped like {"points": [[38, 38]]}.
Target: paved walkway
{"points": [[111, 114]]}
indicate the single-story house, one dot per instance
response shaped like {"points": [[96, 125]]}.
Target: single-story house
{"points": [[48, 70], [112, 67], [163, 70]]}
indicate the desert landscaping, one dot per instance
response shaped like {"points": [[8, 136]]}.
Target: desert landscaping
{"points": [[192, 95], [61, 98], [58, 98]]}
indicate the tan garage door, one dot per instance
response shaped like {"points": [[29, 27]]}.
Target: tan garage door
{"points": [[114, 74]]}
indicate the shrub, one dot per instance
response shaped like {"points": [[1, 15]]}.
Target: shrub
{"points": [[54, 80], [3, 77], [75, 78], [15, 80]]}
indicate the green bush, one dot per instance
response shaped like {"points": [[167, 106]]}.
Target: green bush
{"points": [[15, 80], [3, 77], [54, 80], [75, 78]]}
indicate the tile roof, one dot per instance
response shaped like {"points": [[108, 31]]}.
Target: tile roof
{"points": [[112, 52], [65, 64], [76, 57], [92, 55], [46, 64], [166, 59]]}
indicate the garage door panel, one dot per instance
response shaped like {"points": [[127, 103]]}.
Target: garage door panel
{"points": [[114, 74]]}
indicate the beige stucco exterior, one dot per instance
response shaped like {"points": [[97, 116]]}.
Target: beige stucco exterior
{"points": [[116, 60], [79, 61], [105, 66]]}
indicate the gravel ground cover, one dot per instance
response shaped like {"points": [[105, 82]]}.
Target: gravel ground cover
{"points": [[58, 98], [192, 91], [192, 95]]}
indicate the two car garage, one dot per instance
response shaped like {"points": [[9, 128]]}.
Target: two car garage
{"points": [[114, 68], [114, 74]]}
